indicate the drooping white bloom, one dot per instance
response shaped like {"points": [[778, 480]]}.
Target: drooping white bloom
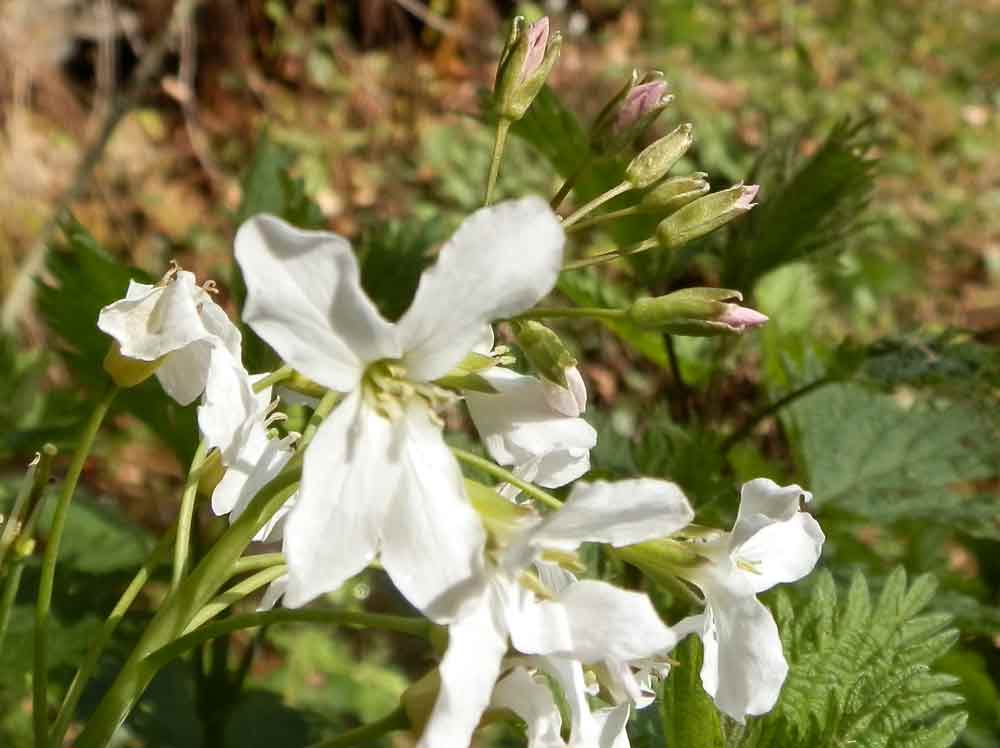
{"points": [[195, 347], [521, 429], [771, 543], [570, 400], [378, 478], [254, 460], [582, 622]]}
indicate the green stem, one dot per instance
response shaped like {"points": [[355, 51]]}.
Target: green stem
{"points": [[323, 409], [364, 735], [604, 218], [576, 312], [505, 475], [747, 428], [419, 627], [11, 585], [234, 594], [178, 610], [257, 562], [609, 256], [571, 180], [186, 515], [503, 126], [619, 189], [29, 497], [275, 377], [48, 573], [89, 664]]}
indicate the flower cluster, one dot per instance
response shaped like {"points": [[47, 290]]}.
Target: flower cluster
{"points": [[496, 565]]}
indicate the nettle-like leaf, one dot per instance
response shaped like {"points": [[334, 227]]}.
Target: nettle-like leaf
{"points": [[861, 670], [392, 257], [807, 205], [85, 278], [867, 455]]}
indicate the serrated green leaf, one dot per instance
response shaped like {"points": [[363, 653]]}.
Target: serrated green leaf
{"points": [[866, 455]]}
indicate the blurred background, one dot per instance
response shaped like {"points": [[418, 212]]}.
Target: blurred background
{"points": [[872, 126]]}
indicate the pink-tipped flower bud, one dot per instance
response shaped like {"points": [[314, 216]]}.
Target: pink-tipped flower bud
{"points": [[527, 59], [698, 312], [629, 113], [705, 215]]}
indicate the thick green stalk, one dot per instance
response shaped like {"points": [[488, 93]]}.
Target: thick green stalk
{"points": [[503, 126], [364, 735], [505, 475], [173, 617], [419, 627], [257, 562], [275, 377], [186, 514], [89, 664], [46, 581]]}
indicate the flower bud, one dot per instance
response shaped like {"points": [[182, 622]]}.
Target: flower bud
{"points": [[128, 372], [704, 215], [696, 311], [629, 112], [675, 193], [657, 159], [571, 399], [549, 356], [525, 64]]}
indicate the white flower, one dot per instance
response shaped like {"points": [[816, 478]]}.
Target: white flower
{"points": [[524, 691], [521, 429], [582, 622], [177, 327], [254, 460], [378, 478], [771, 543]]}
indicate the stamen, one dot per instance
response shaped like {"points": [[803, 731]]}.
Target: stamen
{"points": [[210, 286]]}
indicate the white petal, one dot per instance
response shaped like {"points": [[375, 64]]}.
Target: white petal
{"points": [[781, 552], [585, 731], [762, 501], [571, 400], [432, 539], [476, 645], [153, 321], [535, 627], [619, 513], [520, 429], [612, 724], [351, 470], [501, 261], [744, 666], [533, 702], [304, 297], [183, 373], [273, 593], [610, 623], [230, 409]]}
